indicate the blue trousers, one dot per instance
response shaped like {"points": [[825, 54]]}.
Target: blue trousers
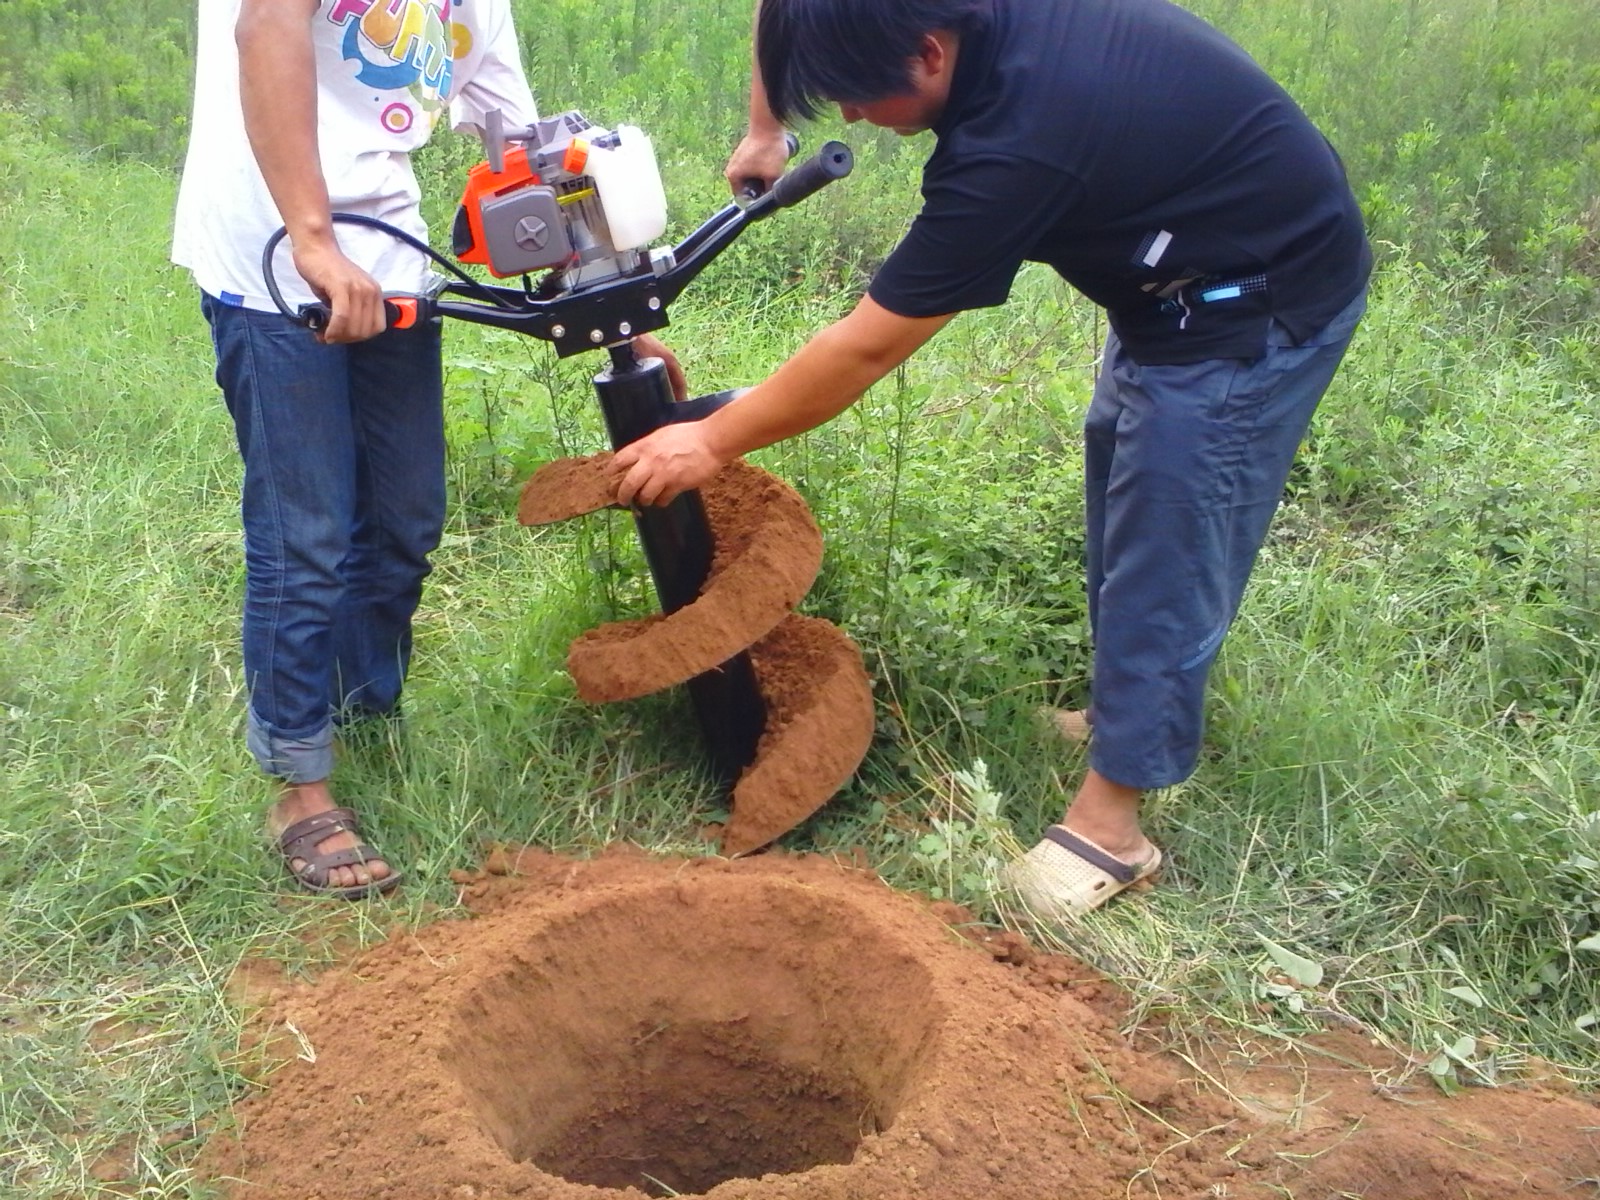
{"points": [[1184, 467], [343, 501]]}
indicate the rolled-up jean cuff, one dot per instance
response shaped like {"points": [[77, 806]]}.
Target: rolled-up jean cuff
{"points": [[1155, 772], [292, 759]]}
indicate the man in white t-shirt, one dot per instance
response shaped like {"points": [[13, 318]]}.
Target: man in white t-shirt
{"points": [[304, 108]]}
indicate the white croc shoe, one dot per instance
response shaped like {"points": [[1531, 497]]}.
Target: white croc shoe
{"points": [[1067, 875], [1071, 725]]}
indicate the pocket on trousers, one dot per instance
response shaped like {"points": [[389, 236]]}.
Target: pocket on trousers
{"points": [[1340, 329]]}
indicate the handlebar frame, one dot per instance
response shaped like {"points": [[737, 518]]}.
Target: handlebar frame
{"points": [[615, 310]]}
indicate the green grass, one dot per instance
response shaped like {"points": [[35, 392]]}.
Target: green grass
{"points": [[1403, 769]]}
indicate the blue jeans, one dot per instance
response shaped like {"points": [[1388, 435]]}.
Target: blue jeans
{"points": [[343, 501], [1184, 467]]}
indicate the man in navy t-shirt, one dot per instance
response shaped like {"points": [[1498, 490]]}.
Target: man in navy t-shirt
{"points": [[1157, 168]]}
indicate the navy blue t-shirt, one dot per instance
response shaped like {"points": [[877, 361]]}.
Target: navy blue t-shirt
{"points": [[1151, 162]]}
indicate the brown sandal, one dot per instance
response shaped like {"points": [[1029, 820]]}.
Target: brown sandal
{"points": [[301, 839]]}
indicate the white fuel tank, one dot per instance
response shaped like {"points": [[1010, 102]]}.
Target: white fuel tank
{"points": [[629, 186]]}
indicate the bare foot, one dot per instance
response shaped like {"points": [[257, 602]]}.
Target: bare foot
{"points": [[1107, 814], [298, 801]]}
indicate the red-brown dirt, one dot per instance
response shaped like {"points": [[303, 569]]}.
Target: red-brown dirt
{"points": [[788, 1028], [819, 727], [767, 551]]}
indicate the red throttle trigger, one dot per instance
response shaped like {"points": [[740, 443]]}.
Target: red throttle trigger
{"points": [[404, 311]]}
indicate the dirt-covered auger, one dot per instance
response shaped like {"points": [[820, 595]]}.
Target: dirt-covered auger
{"points": [[783, 700]]}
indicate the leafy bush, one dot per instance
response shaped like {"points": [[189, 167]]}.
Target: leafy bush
{"points": [[1496, 147]]}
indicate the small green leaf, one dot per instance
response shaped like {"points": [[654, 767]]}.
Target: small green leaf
{"points": [[1302, 970], [1592, 942], [1448, 1083], [1463, 1049], [1587, 1021], [1470, 995]]}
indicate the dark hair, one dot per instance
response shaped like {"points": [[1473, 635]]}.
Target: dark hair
{"points": [[814, 51]]}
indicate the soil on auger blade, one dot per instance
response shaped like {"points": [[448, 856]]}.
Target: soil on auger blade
{"points": [[788, 1028], [767, 550], [567, 488], [819, 728], [767, 554]]}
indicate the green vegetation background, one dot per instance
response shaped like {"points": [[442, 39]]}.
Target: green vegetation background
{"points": [[1400, 794]]}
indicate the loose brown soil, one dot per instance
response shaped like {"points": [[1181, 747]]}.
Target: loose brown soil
{"points": [[819, 727], [789, 1028], [767, 551], [766, 557]]}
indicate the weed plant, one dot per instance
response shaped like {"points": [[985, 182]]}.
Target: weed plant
{"points": [[1395, 824]]}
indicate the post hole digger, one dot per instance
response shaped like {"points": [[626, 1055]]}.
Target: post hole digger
{"points": [[783, 700]]}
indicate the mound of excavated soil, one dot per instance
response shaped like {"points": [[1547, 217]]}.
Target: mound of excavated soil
{"points": [[783, 1027]]}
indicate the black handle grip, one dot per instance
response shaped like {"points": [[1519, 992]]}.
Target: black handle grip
{"points": [[832, 162], [401, 312], [314, 317]]}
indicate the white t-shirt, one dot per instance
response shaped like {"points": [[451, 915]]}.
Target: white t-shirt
{"points": [[386, 70]]}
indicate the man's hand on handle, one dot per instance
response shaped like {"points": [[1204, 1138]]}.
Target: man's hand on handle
{"points": [[758, 160], [354, 298]]}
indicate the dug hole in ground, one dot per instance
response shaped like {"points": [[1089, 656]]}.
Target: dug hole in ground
{"points": [[788, 1026]]}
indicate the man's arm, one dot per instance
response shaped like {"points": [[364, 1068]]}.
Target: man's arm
{"points": [[497, 82], [822, 379], [278, 92], [763, 154]]}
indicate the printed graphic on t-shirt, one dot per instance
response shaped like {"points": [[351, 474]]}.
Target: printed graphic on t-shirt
{"points": [[402, 45]]}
